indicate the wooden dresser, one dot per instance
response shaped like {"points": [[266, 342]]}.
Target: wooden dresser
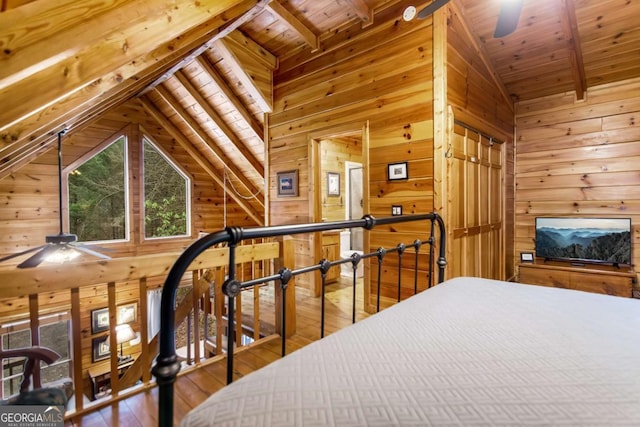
{"points": [[591, 278]]}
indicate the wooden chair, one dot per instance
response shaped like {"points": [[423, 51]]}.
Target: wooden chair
{"points": [[56, 394]]}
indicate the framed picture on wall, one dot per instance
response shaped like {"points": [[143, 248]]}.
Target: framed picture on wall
{"points": [[333, 184], [287, 183], [396, 171], [100, 347], [126, 313], [99, 320]]}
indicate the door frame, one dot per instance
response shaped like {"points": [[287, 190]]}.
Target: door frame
{"points": [[315, 187]]}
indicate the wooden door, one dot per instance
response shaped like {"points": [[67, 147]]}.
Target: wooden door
{"points": [[476, 205]]}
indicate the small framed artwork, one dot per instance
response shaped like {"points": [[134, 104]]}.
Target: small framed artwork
{"points": [[526, 257], [396, 171], [99, 320], [333, 184], [287, 183], [100, 346], [126, 313]]}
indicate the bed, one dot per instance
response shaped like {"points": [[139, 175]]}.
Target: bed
{"points": [[468, 351]]}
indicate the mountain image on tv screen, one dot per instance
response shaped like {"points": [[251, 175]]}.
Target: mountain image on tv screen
{"points": [[589, 239]]}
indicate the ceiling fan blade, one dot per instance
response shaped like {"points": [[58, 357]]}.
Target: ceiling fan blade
{"points": [[508, 18], [38, 257], [21, 253], [431, 8], [86, 250]]}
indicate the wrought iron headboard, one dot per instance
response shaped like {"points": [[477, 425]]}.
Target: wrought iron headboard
{"points": [[167, 364]]}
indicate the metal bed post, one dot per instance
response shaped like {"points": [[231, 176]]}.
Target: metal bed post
{"points": [[231, 288], [355, 260], [380, 255], [416, 244], [324, 268], [401, 249], [285, 276]]}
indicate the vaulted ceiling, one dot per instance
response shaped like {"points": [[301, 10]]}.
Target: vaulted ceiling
{"points": [[208, 71]]}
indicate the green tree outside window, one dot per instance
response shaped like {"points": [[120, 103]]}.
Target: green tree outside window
{"points": [[97, 196], [165, 195]]}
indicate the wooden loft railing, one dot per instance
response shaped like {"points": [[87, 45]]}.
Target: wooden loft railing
{"points": [[25, 294]]}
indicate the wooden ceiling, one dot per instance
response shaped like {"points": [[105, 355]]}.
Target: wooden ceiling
{"points": [[210, 76]]}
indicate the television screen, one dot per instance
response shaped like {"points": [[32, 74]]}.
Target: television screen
{"points": [[597, 240]]}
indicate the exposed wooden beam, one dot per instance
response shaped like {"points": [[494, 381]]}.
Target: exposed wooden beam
{"points": [[229, 52], [482, 53], [197, 156], [363, 11], [168, 98], [210, 69], [570, 29], [295, 24], [32, 144], [220, 122], [223, 32], [25, 141], [119, 40], [254, 49], [68, 110]]}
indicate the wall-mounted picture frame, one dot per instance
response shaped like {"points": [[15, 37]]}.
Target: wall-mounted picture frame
{"points": [[100, 347], [99, 320], [126, 313], [333, 184], [397, 171], [526, 257], [287, 183]]}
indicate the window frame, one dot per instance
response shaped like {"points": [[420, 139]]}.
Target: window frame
{"points": [[127, 191], [25, 324]]}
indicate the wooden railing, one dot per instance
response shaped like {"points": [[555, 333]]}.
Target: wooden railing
{"points": [[28, 294]]}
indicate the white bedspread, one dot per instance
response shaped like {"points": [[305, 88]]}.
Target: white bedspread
{"points": [[467, 352]]}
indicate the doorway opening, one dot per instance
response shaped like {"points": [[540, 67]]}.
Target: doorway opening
{"points": [[339, 190]]}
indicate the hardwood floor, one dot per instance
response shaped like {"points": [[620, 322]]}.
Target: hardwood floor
{"points": [[195, 386]]}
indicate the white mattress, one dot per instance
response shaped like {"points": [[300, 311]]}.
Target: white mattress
{"points": [[467, 352]]}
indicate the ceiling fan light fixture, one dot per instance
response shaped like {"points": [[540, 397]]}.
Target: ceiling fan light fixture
{"points": [[62, 254], [61, 239], [61, 247]]}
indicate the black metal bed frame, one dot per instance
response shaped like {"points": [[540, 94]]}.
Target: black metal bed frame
{"points": [[167, 364]]}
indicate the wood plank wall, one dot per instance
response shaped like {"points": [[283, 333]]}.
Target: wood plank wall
{"points": [[29, 196], [579, 159], [382, 75], [476, 100]]}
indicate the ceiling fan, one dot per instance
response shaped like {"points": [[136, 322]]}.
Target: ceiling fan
{"points": [[59, 247], [507, 20]]}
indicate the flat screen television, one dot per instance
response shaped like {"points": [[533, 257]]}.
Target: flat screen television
{"points": [[584, 240]]}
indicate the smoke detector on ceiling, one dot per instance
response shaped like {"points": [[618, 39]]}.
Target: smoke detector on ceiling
{"points": [[409, 13]]}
